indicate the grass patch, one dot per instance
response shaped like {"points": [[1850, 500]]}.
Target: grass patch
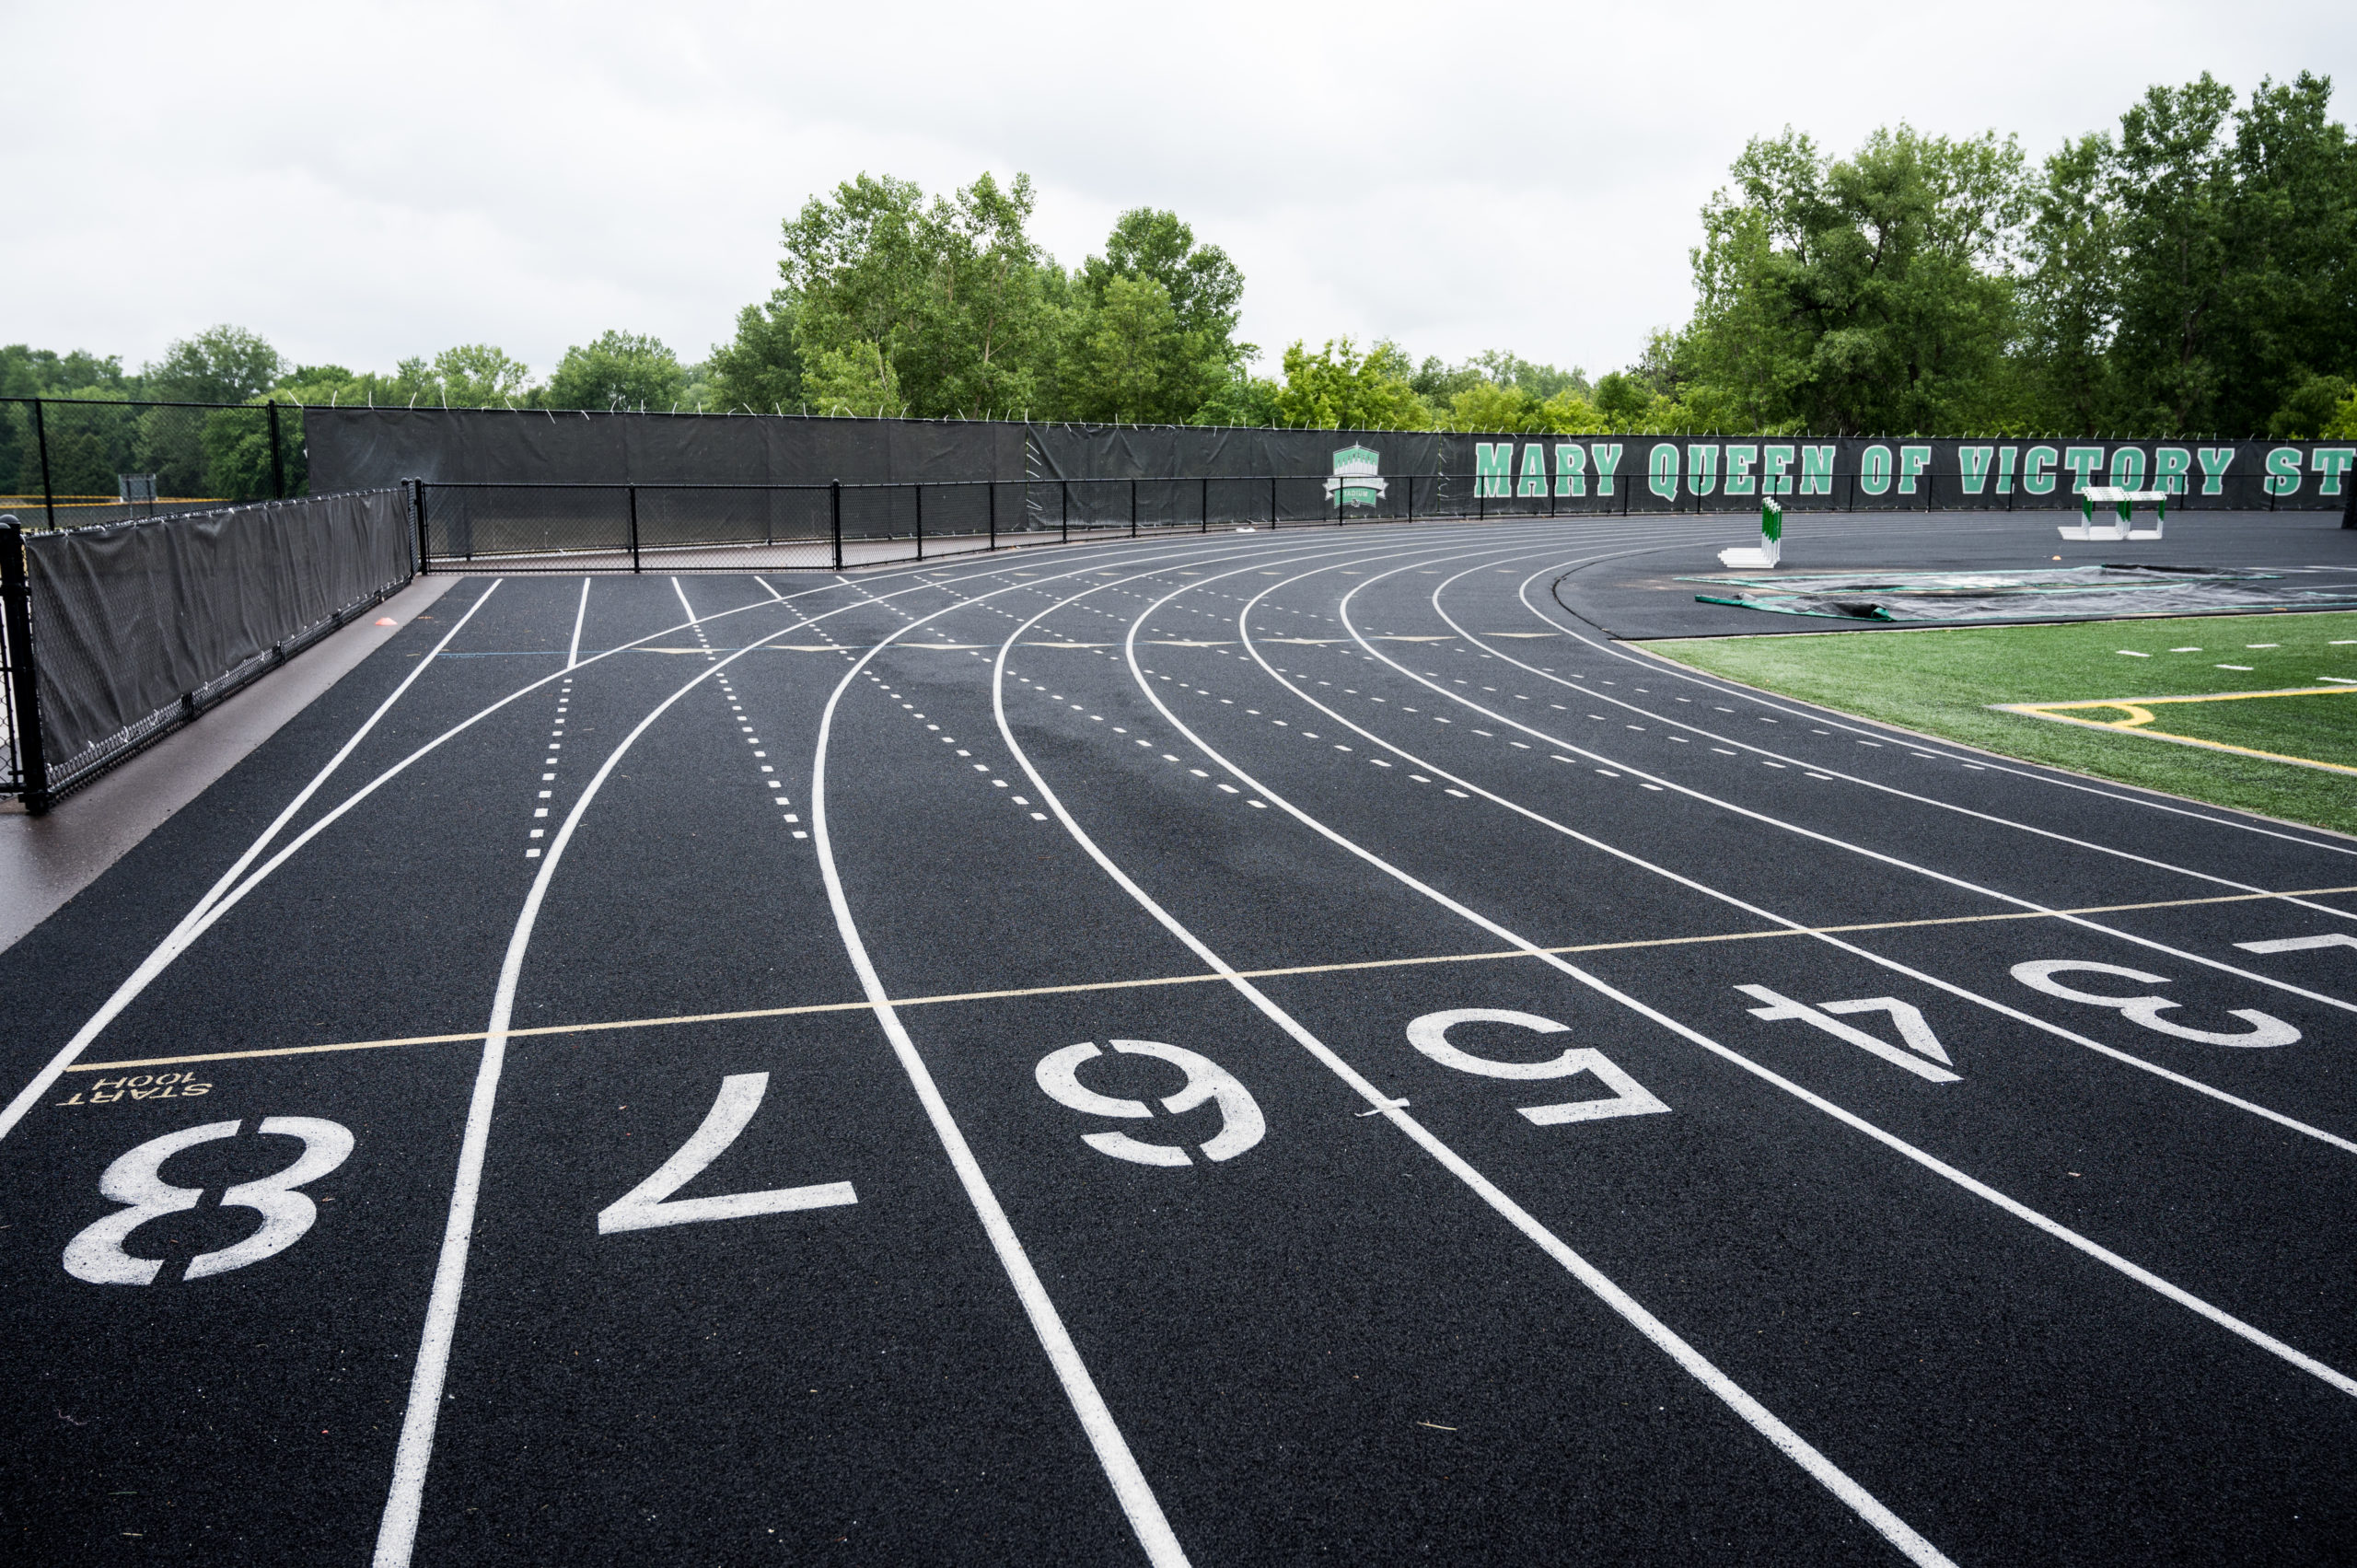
{"points": [[1942, 682]]}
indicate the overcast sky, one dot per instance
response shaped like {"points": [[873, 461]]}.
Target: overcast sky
{"points": [[362, 182]]}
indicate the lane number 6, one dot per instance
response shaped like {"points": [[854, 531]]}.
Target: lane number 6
{"points": [[1241, 1125]]}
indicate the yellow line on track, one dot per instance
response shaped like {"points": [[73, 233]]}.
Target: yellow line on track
{"points": [[743, 1014]]}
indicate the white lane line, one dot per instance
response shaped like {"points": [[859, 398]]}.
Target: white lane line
{"points": [[1860, 849], [413, 1455], [683, 601], [2142, 1276], [1962, 993], [572, 653], [1859, 779], [218, 901], [200, 917], [1130, 1488], [1697, 1365], [1721, 686]]}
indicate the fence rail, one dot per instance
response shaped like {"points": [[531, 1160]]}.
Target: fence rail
{"points": [[513, 527]]}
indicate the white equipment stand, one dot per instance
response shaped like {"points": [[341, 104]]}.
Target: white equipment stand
{"points": [[1771, 540], [2125, 500]]}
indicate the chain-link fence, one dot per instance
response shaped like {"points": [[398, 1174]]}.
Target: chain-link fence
{"points": [[70, 462]]}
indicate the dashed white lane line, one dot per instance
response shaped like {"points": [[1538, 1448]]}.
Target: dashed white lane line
{"points": [[549, 760]]}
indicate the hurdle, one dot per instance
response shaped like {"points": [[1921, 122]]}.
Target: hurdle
{"points": [[1771, 540], [2125, 500]]}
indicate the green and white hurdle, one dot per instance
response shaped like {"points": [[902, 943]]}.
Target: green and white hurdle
{"points": [[1771, 538], [2125, 500]]}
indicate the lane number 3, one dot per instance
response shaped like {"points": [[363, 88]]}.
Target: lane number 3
{"points": [[137, 1181]]}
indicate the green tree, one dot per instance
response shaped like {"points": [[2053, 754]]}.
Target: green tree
{"points": [[935, 310], [1871, 294], [1241, 399], [2172, 183], [1195, 356], [760, 369], [1338, 387], [617, 370], [1133, 351], [220, 365], [2071, 290]]}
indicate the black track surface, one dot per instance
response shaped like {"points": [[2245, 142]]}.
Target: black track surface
{"points": [[2085, 1300]]}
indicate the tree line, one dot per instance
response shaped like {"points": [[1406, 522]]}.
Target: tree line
{"points": [[2194, 271]]}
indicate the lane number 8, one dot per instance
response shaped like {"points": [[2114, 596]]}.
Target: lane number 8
{"points": [[136, 1179]]}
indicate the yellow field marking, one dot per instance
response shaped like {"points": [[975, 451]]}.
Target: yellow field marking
{"points": [[1191, 979], [2138, 712]]}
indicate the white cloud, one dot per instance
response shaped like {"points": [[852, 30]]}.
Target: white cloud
{"points": [[364, 182]]}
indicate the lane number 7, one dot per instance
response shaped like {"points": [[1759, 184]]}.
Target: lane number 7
{"points": [[649, 1205]]}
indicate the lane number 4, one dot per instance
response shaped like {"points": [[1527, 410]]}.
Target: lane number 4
{"points": [[1925, 1056], [649, 1205], [137, 1181], [1429, 1034]]}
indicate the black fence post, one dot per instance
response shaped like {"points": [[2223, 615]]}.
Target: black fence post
{"points": [[835, 515], [1272, 503], [1411, 498], [990, 488], [634, 527], [417, 518], [32, 771], [919, 489], [1065, 485], [1133, 508], [1207, 501], [277, 463], [41, 439]]}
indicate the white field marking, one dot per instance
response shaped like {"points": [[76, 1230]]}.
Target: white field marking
{"points": [[1130, 1488], [1859, 850], [683, 601], [194, 922], [572, 653], [1799, 929], [413, 1455], [649, 1205], [218, 902], [1929, 1162], [1691, 1360], [1724, 687], [1867, 783]]}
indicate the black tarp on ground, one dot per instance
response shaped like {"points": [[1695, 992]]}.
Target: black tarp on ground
{"points": [[137, 625]]}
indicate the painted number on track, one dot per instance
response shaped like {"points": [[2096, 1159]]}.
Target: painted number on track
{"points": [[1241, 1125], [649, 1205], [2038, 975], [1924, 1048], [137, 1181], [1429, 1034]]}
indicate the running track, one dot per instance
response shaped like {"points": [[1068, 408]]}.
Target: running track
{"points": [[1242, 1050]]}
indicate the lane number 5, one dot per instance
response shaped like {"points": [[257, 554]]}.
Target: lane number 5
{"points": [[1429, 1034]]}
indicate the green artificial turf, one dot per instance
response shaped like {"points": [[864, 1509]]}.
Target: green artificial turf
{"points": [[1942, 682]]}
